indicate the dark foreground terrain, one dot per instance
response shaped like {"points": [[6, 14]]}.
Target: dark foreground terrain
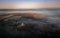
{"points": [[23, 27]]}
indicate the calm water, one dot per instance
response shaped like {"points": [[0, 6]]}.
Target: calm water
{"points": [[51, 12]]}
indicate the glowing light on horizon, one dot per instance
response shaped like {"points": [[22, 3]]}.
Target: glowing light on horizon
{"points": [[29, 4]]}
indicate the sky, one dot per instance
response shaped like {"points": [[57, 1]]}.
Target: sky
{"points": [[29, 4]]}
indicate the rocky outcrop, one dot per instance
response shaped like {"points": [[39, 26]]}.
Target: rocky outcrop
{"points": [[14, 25], [28, 15]]}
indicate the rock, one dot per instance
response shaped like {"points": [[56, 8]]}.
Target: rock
{"points": [[38, 16], [26, 15], [34, 15], [48, 26]]}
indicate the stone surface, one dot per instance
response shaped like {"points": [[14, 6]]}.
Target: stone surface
{"points": [[29, 15], [12, 26]]}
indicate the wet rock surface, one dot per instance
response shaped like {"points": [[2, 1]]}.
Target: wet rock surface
{"points": [[28, 27]]}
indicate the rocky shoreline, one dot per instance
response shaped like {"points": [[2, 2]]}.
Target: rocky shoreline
{"points": [[15, 25]]}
